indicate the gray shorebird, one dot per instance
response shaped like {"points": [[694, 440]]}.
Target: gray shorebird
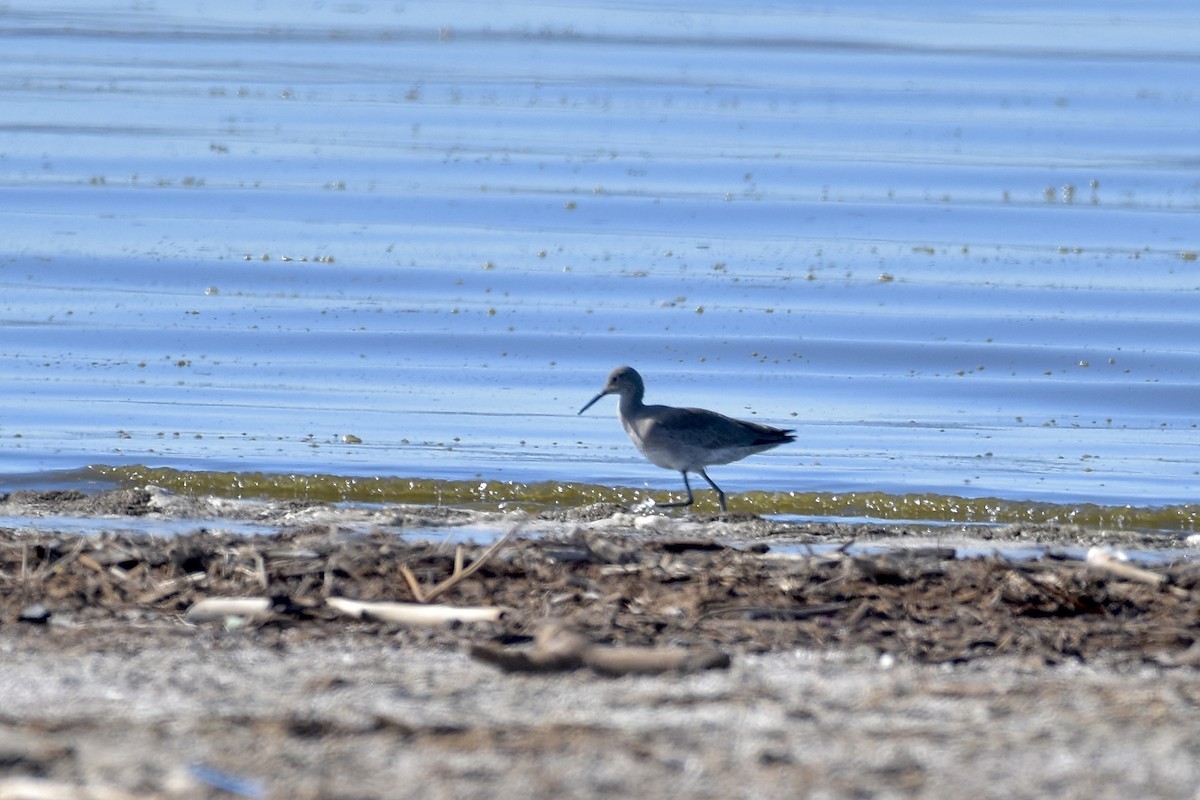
{"points": [[685, 439]]}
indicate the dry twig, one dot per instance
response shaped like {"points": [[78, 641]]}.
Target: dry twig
{"points": [[459, 574]]}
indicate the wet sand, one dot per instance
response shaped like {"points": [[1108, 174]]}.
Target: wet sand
{"points": [[909, 673]]}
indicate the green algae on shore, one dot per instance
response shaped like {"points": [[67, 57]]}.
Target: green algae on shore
{"points": [[507, 495]]}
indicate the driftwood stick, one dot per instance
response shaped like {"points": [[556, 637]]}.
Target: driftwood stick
{"points": [[1105, 561], [170, 587], [413, 586], [614, 661], [90, 563], [260, 570], [214, 609], [774, 612], [558, 648], [413, 613]]}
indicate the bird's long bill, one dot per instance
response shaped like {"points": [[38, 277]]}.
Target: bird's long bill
{"points": [[591, 403]]}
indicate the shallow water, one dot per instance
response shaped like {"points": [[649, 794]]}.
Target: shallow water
{"points": [[956, 251]]}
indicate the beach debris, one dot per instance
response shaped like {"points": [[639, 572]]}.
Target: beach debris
{"points": [[559, 648], [1117, 564], [238, 611], [171, 587], [765, 612], [619, 588], [459, 573], [28, 788], [901, 567], [413, 613], [36, 614], [225, 609]]}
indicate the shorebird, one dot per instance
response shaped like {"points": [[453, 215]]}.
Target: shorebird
{"points": [[685, 439]]}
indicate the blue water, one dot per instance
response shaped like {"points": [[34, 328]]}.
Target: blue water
{"points": [[955, 249]]}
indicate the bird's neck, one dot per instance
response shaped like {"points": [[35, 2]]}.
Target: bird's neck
{"points": [[630, 404]]}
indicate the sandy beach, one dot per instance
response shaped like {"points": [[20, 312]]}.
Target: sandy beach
{"points": [[905, 672]]}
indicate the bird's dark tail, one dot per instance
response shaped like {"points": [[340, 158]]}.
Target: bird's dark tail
{"points": [[774, 436]]}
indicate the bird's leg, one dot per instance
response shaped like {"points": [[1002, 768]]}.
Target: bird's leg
{"points": [[720, 494], [687, 486]]}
